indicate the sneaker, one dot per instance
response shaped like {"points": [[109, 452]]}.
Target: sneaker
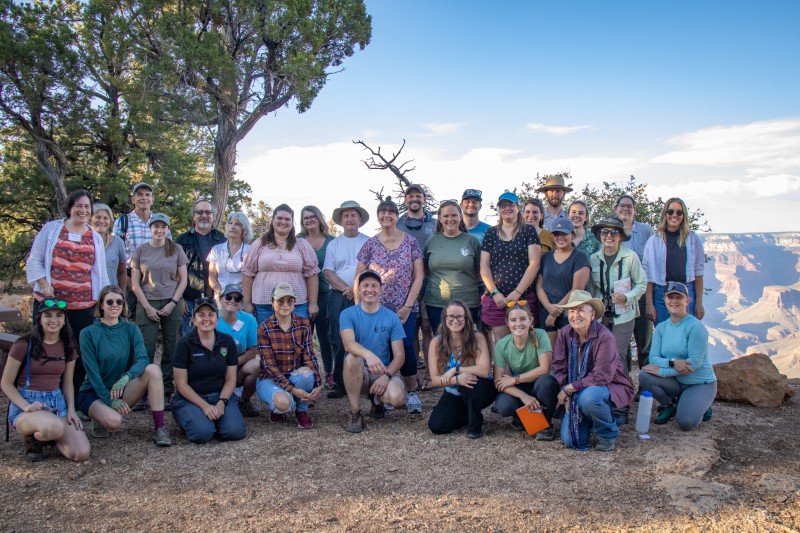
{"points": [[516, 423], [356, 424], [247, 409], [475, 434], [413, 405], [161, 437], [277, 418], [707, 415], [99, 431], [605, 445], [84, 417], [337, 391], [665, 414], [388, 407], [377, 411], [32, 449], [304, 420], [330, 382], [546, 434], [142, 404]]}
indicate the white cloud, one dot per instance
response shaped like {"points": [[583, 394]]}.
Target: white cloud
{"points": [[555, 130], [444, 128]]}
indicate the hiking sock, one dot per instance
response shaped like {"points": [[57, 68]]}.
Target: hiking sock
{"points": [[158, 419]]}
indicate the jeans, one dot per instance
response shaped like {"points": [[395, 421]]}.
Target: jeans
{"points": [[435, 316], [453, 412], [595, 405], [264, 311], [186, 323], [322, 326], [336, 304], [642, 333], [693, 400], [661, 306], [544, 389], [266, 390], [409, 367], [199, 428], [169, 326]]}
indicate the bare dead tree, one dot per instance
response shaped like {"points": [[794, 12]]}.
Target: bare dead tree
{"points": [[379, 162]]}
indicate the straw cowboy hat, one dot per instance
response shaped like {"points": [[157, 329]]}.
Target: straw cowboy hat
{"points": [[578, 298], [554, 182], [350, 204]]}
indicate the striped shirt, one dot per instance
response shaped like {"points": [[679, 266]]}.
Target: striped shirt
{"points": [[283, 352], [70, 274]]}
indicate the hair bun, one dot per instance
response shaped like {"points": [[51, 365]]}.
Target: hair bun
{"points": [[387, 199]]}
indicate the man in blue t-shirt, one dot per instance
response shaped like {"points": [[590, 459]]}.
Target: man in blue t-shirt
{"points": [[373, 340], [243, 328], [471, 202]]}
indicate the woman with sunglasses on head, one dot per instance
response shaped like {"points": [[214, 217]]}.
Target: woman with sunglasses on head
{"points": [[205, 364], [679, 373], [225, 259], [534, 216], [315, 231], [118, 370], [38, 365], [68, 262], [452, 259], [510, 256], [522, 363], [159, 275], [618, 280], [459, 362], [583, 239], [674, 253], [397, 258], [279, 256]]}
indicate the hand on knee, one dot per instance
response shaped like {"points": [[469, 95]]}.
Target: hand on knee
{"points": [[281, 402]]}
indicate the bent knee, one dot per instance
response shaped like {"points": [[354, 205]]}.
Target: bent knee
{"points": [[152, 371], [687, 425], [200, 437], [282, 401]]}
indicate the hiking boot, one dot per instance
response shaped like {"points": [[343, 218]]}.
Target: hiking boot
{"points": [[546, 434], [99, 431], [247, 409], [413, 405], [32, 449], [475, 434], [330, 382], [377, 411], [356, 424], [604, 445], [337, 391], [665, 414], [707, 415], [277, 418], [304, 420], [516, 423], [161, 437], [142, 404]]}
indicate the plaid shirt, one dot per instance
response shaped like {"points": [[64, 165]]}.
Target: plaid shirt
{"points": [[283, 352], [138, 233]]}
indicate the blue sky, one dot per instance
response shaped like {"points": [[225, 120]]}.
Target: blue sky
{"points": [[697, 99]]}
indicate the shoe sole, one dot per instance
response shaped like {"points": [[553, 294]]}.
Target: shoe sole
{"points": [[162, 444]]}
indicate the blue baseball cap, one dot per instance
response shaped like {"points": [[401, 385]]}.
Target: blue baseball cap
{"points": [[508, 196], [563, 225]]}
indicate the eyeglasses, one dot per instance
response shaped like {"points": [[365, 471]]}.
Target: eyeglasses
{"points": [[413, 223], [286, 302], [51, 303], [605, 232], [473, 192], [678, 212], [625, 206], [509, 205], [114, 302], [518, 303], [309, 218], [237, 299], [206, 212], [455, 318]]}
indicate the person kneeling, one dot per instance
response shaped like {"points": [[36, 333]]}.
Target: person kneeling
{"points": [[527, 354], [458, 360], [368, 331], [289, 368], [204, 364]]}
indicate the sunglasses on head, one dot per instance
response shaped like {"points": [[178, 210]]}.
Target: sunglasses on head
{"points": [[677, 286], [678, 212], [235, 297], [53, 303], [205, 301], [518, 303], [473, 192], [118, 301]]}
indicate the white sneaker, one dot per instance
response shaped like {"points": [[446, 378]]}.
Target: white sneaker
{"points": [[413, 405]]}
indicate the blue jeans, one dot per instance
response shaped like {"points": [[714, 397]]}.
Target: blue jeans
{"points": [[266, 390], [409, 367], [661, 306], [595, 405], [322, 326], [264, 311], [336, 304], [199, 428], [186, 323]]}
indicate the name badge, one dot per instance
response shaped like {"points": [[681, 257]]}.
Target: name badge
{"points": [[198, 355], [238, 325], [74, 237]]}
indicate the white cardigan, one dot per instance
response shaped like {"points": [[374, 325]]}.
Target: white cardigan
{"points": [[40, 260]]}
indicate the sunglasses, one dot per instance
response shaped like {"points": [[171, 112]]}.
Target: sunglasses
{"points": [[51, 303], [678, 212], [204, 212], [114, 302], [605, 232], [237, 299], [413, 223], [518, 303], [455, 318], [677, 286], [473, 192]]}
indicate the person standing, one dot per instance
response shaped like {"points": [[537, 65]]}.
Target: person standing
{"points": [[554, 190], [102, 219], [197, 244], [226, 259], [340, 272], [534, 216], [582, 239], [471, 203]]}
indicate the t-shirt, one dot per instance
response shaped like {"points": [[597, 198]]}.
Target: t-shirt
{"points": [[452, 263], [45, 371], [479, 231], [507, 355], [509, 259], [159, 273], [323, 283], [557, 277], [396, 268], [115, 254], [419, 229], [373, 331], [229, 269], [676, 258], [340, 256], [244, 331], [206, 369]]}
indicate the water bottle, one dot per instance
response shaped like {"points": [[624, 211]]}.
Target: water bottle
{"points": [[643, 414]]}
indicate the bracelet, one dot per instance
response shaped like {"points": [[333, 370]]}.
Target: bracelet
{"points": [[409, 306], [564, 390], [388, 375], [456, 379], [224, 401], [173, 301], [493, 292]]}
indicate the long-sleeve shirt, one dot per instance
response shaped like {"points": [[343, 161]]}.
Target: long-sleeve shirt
{"points": [[631, 268], [604, 367], [283, 352], [108, 353], [687, 340], [655, 259]]}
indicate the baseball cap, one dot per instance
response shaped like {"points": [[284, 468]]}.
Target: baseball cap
{"points": [[414, 187], [370, 274], [563, 225], [200, 302], [282, 289], [232, 287], [140, 185], [158, 217], [472, 193], [677, 287], [508, 196]]}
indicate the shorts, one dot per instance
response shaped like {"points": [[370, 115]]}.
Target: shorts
{"points": [[53, 399], [493, 316], [369, 379], [85, 400]]}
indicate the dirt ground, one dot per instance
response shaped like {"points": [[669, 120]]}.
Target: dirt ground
{"points": [[738, 472]]}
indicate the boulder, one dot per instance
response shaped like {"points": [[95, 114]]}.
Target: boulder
{"points": [[753, 379]]}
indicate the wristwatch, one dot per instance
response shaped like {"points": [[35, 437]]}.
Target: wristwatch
{"points": [[225, 401], [516, 380], [672, 363]]}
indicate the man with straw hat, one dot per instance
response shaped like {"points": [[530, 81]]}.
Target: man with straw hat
{"points": [[554, 190]]}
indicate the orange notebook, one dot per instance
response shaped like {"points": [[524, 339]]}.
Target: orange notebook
{"points": [[534, 421]]}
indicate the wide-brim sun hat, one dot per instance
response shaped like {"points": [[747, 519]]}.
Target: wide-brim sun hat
{"points": [[350, 204], [612, 223], [578, 298], [554, 182]]}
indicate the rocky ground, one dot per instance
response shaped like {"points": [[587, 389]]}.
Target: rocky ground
{"points": [[738, 472]]}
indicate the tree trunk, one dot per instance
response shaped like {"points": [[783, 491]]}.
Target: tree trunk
{"points": [[55, 173], [224, 161]]}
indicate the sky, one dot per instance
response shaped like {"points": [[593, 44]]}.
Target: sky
{"points": [[697, 99]]}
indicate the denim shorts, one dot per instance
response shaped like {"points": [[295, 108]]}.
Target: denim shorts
{"points": [[53, 399]]}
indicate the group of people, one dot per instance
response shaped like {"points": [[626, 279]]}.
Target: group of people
{"points": [[537, 312]]}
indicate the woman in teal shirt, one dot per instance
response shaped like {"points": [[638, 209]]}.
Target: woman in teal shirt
{"points": [[679, 375]]}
